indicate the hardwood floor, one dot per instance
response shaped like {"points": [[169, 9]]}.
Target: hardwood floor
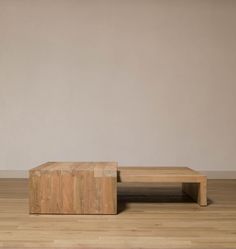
{"points": [[149, 217]]}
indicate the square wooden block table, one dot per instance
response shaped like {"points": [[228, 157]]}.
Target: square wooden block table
{"points": [[73, 188]]}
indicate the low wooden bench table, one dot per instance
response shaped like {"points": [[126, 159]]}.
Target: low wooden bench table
{"points": [[91, 188], [194, 184]]}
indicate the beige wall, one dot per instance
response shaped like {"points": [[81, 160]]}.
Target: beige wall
{"points": [[138, 82]]}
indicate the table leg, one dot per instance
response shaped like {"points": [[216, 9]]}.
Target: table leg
{"points": [[197, 191]]}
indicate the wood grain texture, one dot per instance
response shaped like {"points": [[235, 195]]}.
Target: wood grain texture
{"points": [[73, 188], [158, 174], [150, 216], [194, 183]]}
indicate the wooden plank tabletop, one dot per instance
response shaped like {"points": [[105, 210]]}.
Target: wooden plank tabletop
{"points": [[158, 174]]}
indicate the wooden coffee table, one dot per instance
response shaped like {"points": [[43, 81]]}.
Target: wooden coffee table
{"points": [[194, 184], [91, 187], [73, 188]]}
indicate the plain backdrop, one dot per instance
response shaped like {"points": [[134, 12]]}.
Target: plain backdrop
{"points": [[138, 82]]}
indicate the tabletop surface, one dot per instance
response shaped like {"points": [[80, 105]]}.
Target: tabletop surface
{"points": [[167, 170], [124, 170], [52, 166]]}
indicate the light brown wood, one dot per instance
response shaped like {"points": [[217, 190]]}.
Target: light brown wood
{"points": [[194, 183], [197, 191], [73, 188], [150, 216]]}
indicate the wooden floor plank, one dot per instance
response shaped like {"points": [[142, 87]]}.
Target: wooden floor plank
{"points": [[150, 216]]}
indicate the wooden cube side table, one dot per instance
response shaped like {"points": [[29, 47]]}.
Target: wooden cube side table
{"points": [[73, 188]]}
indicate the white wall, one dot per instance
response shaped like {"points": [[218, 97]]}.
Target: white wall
{"points": [[138, 82]]}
